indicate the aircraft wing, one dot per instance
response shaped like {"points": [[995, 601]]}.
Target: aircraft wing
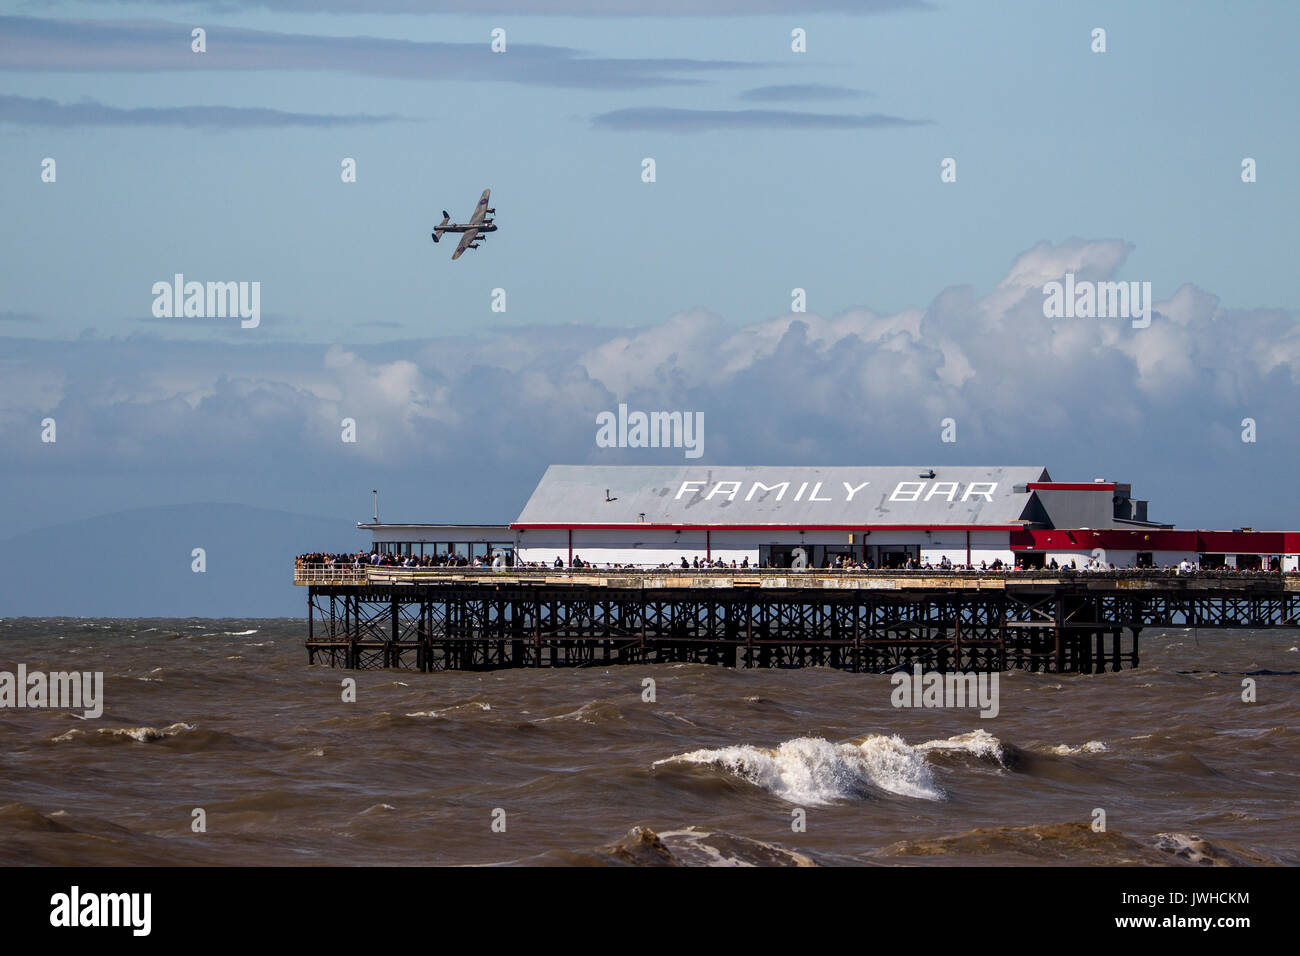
{"points": [[465, 240], [481, 209]]}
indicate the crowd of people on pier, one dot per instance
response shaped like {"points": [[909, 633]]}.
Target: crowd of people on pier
{"points": [[840, 562]]}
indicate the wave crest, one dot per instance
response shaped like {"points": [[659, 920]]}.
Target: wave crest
{"points": [[815, 772]]}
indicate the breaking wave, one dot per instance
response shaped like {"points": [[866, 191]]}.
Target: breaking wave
{"points": [[815, 772], [979, 744]]}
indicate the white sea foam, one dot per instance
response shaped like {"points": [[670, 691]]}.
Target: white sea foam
{"points": [[978, 743], [1091, 747], [696, 847], [813, 771], [468, 705], [705, 854], [684, 720], [592, 712], [239, 633], [142, 734], [1196, 849]]}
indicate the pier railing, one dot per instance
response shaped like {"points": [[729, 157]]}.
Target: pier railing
{"points": [[329, 574], [381, 575]]}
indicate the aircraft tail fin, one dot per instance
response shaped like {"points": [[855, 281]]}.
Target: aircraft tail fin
{"points": [[437, 233]]}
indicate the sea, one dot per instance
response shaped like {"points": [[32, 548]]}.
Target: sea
{"points": [[219, 745]]}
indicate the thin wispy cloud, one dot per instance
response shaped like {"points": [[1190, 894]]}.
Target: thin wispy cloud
{"points": [[37, 45], [801, 92], [31, 111], [25, 317], [668, 119]]}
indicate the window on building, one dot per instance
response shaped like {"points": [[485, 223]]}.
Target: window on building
{"points": [[894, 555], [780, 555], [1210, 562]]}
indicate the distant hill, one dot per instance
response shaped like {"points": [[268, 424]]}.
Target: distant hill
{"points": [[137, 563]]}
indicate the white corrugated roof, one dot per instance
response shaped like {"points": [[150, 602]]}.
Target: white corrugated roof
{"points": [[737, 495]]}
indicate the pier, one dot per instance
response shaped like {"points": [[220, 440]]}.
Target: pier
{"points": [[433, 619]]}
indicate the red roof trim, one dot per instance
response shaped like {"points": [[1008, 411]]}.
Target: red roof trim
{"points": [[767, 527], [1071, 486]]}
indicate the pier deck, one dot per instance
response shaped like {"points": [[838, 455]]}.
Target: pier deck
{"points": [[873, 621]]}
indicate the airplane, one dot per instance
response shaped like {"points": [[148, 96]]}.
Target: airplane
{"points": [[479, 224]]}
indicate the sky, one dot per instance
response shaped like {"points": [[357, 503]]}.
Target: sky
{"points": [[775, 170]]}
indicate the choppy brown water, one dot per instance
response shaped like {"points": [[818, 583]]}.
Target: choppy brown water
{"points": [[227, 716]]}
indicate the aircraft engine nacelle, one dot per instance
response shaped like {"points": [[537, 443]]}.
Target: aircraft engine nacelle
{"points": [[490, 210]]}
